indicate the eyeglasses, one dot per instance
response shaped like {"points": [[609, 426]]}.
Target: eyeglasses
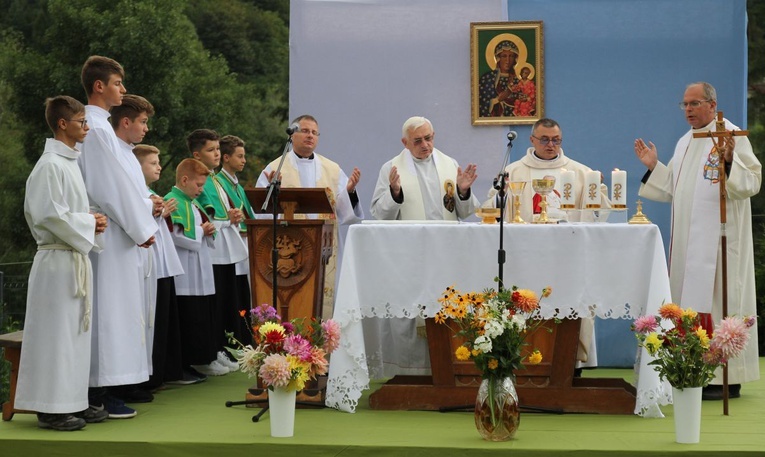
{"points": [[307, 131], [693, 104], [544, 141], [83, 122], [426, 138]]}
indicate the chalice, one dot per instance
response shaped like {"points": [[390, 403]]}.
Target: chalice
{"points": [[543, 187], [516, 189]]}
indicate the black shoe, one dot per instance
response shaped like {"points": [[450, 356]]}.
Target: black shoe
{"points": [[93, 415], [61, 422], [577, 372], [134, 395], [715, 392]]}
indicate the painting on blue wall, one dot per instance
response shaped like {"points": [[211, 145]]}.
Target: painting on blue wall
{"points": [[506, 72]]}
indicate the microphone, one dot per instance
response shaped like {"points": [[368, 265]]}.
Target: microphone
{"points": [[511, 135], [293, 128]]}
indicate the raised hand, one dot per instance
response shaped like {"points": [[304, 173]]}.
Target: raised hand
{"points": [[647, 154], [466, 178], [353, 180]]}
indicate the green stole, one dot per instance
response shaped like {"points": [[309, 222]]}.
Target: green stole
{"points": [[236, 194], [183, 214], [210, 199]]}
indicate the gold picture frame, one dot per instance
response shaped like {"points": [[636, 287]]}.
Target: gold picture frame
{"points": [[515, 95]]}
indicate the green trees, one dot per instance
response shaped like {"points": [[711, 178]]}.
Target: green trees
{"points": [[202, 63]]}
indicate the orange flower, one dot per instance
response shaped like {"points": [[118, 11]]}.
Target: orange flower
{"points": [[493, 364], [526, 300], [546, 292], [242, 312], [670, 311]]}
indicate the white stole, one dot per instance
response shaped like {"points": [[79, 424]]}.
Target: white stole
{"points": [[704, 231], [413, 207]]}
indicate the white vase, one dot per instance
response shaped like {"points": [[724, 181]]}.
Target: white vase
{"points": [[687, 406], [281, 409]]}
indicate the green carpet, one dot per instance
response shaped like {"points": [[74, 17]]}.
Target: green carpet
{"points": [[192, 420]]}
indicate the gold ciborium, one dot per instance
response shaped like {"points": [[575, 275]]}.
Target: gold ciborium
{"points": [[543, 187], [516, 189], [488, 215]]}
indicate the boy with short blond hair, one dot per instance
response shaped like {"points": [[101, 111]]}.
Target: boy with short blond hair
{"points": [[192, 233], [57, 337], [166, 350]]}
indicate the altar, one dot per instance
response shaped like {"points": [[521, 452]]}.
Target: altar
{"points": [[398, 270]]}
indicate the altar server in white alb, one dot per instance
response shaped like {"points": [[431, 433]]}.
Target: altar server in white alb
{"points": [[115, 187], [55, 357], [423, 183], [690, 181], [303, 167]]}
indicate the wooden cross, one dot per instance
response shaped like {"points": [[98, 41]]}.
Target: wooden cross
{"points": [[717, 137]]}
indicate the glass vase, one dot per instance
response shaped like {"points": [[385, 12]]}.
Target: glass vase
{"points": [[497, 411]]}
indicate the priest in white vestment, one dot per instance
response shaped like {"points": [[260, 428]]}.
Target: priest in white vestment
{"points": [[690, 182], [303, 167], [544, 159], [420, 183]]}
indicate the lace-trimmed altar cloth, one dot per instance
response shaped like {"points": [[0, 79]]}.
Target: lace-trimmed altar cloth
{"points": [[398, 271]]}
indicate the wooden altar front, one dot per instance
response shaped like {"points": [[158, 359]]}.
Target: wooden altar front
{"points": [[548, 386]]}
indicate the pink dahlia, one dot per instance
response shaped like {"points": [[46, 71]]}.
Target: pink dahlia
{"points": [[299, 347], [319, 364], [646, 324], [331, 331], [275, 370], [731, 336]]}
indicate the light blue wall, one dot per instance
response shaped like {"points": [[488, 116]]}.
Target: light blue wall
{"points": [[615, 70]]}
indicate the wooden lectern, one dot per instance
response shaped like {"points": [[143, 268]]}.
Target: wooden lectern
{"points": [[304, 245], [549, 386]]}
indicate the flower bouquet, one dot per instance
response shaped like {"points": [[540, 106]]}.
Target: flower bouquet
{"points": [[285, 354], [685, 355], [494, 326]]}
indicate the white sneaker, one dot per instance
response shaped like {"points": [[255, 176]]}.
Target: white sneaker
{"points": [[211, 369], [226, 362]]}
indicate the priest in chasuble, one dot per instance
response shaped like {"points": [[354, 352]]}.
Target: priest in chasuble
{"points": [[690, 183], [303, 167]]}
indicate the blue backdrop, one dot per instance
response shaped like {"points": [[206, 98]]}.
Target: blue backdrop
{"points": [[614, 71]]}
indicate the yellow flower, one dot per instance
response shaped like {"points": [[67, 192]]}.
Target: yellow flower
{"points": [[475, 352], [493, 364], [270, 327], [462, 353], [535, 357], [703, 337], [546, 291], [653, 342], [440, 318], [690, 313]]}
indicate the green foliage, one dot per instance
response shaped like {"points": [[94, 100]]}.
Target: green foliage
{"points": [[756, 115], [189, 82]]}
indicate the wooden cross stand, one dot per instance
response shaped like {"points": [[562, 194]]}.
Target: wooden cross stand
{"points": [[718, 137]]}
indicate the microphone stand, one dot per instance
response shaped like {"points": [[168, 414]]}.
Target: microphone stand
{"points": [[500, 184], [273, 197]]}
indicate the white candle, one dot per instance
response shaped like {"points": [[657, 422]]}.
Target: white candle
{"points": [[567, 200], [619, 188], [592, 190]]}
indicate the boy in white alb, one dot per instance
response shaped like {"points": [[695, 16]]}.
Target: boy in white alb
{"points": [[55, 357]]}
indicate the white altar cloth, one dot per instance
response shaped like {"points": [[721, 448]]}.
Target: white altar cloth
{"points": [[400, 270]]}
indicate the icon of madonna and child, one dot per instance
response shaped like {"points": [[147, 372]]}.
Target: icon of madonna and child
{"points": [[508, 89]]}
